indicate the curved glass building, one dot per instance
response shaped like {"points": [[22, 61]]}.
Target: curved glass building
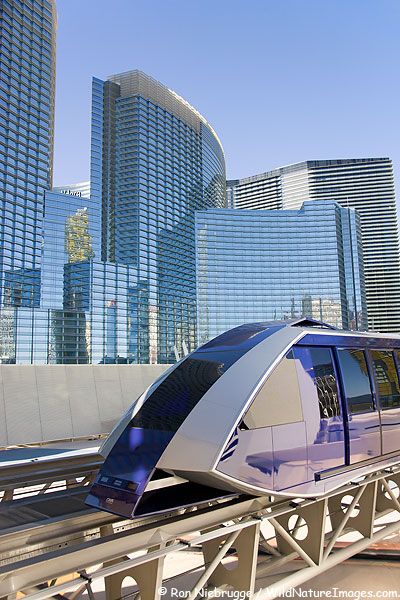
{"points": [[155, 161], [270, 265]]}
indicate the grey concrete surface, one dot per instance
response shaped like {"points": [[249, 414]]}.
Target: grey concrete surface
{"points": [[49, 402]]}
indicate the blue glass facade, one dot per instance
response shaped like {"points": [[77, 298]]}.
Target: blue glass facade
{"points": [[38, 329], [278, 265], [100, 320], [155, 161], [366, 184], [107, 296], [71, 233], [27, 66], [353, 259]]}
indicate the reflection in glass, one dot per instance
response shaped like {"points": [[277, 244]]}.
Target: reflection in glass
{"points": [[325, 380], [356, 381], [78, 241], [171, 402], [386, 377]]}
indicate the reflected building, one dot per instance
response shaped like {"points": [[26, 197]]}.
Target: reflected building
{"points": [[279, 265], [7, 336], [21, 287], [78, 241], [42, 331], [365, 184], [71, 233], [110, 296], [90, 311]]}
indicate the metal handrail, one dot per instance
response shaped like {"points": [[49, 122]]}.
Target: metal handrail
{"points": [[41, 471]]}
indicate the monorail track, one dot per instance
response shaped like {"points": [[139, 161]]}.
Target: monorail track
{"points": [[57, 536]]}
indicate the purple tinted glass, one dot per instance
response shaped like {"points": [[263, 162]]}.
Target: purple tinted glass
{"points": [[175, 397], [348, 341], [242, 338]]}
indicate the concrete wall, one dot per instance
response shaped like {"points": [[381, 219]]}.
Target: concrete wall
{"points": [[48, 402]]}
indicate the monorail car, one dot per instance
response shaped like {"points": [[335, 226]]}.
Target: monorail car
{"points": [[284, 408]]}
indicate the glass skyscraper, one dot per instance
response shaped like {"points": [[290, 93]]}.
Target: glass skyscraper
{"points": [[27, 66], [45, 332], [155, 161], [365, 184], [115, 278], [277, 265]]}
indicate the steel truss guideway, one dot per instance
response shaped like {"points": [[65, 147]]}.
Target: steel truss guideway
{"points": [[284, 529]]}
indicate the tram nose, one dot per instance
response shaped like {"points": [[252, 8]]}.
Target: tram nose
{"points": [[127, 470]]}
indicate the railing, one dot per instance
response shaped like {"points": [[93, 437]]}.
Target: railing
{"points": [[47, 475]]}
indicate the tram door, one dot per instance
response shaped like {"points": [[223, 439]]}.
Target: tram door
{"points": [[322, 410], [363, 416], [387, 385]]}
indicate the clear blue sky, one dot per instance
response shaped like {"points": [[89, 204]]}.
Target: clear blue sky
{"points": [[280, 80]]}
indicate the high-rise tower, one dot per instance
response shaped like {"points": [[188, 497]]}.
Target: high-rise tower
{"points": [[273, 265], [155, 161], [27, 65], [365, 184]]}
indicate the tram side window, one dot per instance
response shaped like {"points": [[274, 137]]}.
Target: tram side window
{"points": [[386, 377], [325, 381], [356, 381]]}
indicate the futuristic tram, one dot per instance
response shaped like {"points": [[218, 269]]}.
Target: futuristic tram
{"points": [[294, 408]]}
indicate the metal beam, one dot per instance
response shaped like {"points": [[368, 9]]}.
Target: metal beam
{"points": [[303, 575], [338, 531], [213, 565], [28, 572], [167, 533], [52, 469]]}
